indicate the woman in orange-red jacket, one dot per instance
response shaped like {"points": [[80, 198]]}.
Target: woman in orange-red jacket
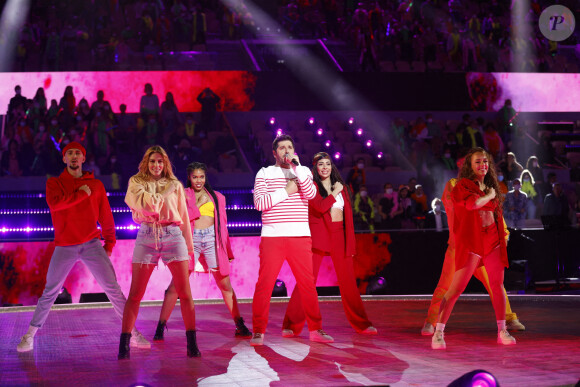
{"points": [[332, 231], [479, 233]]}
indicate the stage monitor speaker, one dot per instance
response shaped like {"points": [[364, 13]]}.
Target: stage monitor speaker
{"points": [[328, 290], [479, 378], [93, 297], [279, 289]]}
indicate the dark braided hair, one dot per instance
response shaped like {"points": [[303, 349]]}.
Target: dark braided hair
{"points": [[192, 167], [334, 175]]}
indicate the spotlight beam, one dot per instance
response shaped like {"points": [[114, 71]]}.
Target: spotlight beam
{"points": [[13, 18]]}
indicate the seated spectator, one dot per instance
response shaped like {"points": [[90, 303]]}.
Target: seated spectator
{"points": [[556, 203], [388, 206], [551, 179], [452, 144], [447, 159], [511, 168], [419, 131], [12, 164], [436, 218], [533, 165], [421, 199], [412, 185], [364, 210], [528, 187], [502, 185], [493, 142], [433, 128], [356, 176], [515, 206], [406, 211], [149, 104]]}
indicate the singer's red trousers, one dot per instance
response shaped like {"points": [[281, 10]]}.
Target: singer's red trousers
{"points": [[350, 295], [273, 252]]}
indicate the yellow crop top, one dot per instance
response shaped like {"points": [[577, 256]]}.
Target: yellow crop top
{"points": [[207, 209]]}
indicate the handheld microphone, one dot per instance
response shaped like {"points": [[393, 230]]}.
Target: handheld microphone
{"points": [[288, 159]]}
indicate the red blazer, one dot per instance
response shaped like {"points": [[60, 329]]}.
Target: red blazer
{"points": [[320, 222], [467, 223]]}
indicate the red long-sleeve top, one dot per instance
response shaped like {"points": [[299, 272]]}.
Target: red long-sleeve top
{"points": [[320, 221], [467, 225], [75, 214]]}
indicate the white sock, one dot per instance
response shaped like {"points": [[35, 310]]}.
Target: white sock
{"points": [[32, 330], [500, 325], [440, 327]]}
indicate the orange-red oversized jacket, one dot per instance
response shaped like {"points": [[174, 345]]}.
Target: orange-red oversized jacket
{"points": [[467, 225], [75, 214], [320, 221]]}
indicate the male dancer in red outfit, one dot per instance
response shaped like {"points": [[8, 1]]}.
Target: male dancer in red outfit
{"points": [[77, 201], [282, 192]]}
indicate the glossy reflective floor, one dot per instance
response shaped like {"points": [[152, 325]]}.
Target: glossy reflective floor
{"points": [[79, 347]]}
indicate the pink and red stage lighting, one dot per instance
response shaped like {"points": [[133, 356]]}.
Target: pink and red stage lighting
{"points": [[272, 121], [320, 132], [351, 121], [311, 120], [380, 155], [337, 155], [475, 378], [369, 143], [359, 132], [328, 143], [279, 132]]}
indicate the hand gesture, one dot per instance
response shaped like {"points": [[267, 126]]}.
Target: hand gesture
{"points": [[338, 187], [491, 193], [86, 189], [294, 158], [170, 188], [291, 187]]}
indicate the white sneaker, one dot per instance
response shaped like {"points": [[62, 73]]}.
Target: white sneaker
{"points": [[504, 337], [320, 336], [369, 331], [428, 329], [438, 341], [257, 339], [138, 341], [287, 333], [26, 343], [515, 325]]}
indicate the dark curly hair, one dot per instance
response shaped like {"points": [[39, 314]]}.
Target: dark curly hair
{"points": [[490, 179]]}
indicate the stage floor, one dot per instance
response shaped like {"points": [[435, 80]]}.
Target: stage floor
{"points": [[79, 347]]}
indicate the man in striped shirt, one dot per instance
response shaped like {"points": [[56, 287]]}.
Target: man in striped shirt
{"points": [[281, 193]]}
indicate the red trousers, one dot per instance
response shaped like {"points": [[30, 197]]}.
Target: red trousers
{"points": [[351, 301], [273, 252]]}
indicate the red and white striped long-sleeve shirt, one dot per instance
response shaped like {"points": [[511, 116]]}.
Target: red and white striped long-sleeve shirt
{"points": [[283, 215]]}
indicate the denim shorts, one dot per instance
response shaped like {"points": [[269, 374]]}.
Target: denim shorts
{"points": [[154, 242], [204, 243]]}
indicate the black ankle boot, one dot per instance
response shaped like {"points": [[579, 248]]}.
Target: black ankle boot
{"points": [[124, 350], [161, 327], [241, 329], [192, 350]]}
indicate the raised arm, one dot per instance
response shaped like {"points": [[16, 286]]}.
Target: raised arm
{"points": [[58, 199], [262, 199], [305, 182]]}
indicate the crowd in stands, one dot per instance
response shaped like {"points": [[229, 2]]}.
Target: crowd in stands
{"points": [[392, 35], [36, 130]]}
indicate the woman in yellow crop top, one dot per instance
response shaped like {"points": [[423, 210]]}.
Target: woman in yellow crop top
{"points": [[211, 246]]}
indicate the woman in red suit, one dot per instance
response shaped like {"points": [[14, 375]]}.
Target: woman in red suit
{"points": [[332, 230], [479, 239]]}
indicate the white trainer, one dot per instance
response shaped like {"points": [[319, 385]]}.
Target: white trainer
{"points": [[320, 336], [26, 343], [369, 331], [287, 333], [428, 329], [514, 325], [138, 341], [438, 341], [257, 339], [504, 337]]}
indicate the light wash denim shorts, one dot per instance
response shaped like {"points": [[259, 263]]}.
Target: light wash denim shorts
{"points": [[204, 244], [154, 242]]}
